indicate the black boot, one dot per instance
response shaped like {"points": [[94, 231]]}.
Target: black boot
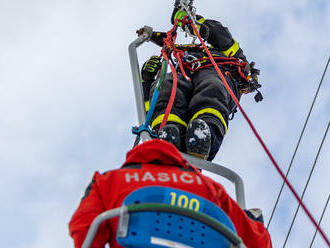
{"points": [[171, 133], [217, 133], [198, 139]]}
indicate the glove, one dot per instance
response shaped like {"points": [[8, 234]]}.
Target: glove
{"points": [[251, 72], [178, 15], [176, 11], [151, 68]]}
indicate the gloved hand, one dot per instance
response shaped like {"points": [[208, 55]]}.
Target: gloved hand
{"points": [[251, 72], [178, 14], [151, 68]]}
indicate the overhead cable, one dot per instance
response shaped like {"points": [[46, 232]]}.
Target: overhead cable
{"points": [[297, 146], [308, 180], [324, 209]]}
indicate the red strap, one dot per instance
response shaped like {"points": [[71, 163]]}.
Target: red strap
{"points": [[173, 93]]}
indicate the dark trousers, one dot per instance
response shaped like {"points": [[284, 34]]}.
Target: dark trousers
{"points": [[205, 97]]}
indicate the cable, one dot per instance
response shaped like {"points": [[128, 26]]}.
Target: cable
{"points": [[309, 177], [296, 149], [325, 207], [262, 143]]}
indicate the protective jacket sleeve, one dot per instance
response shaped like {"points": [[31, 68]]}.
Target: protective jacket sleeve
{"points": [[146, 85], [253, 233], [90, 206], [220, 37]]}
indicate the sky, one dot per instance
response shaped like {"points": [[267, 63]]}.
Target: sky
{"points": [[67, 107]]}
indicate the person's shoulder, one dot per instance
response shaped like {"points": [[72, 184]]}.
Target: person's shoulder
{"points": [[98, 175], [213, 182]]}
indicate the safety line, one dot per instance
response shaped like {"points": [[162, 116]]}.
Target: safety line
{"points": [[259, 138], [297, 146], [169, 43], [308, 180], [173, 93], [324, 209]]}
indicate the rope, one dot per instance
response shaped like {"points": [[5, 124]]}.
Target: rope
{"points": [[324, 209], [169, 44], [309, 177], [173, 93], [259, 138], [297, 146]]}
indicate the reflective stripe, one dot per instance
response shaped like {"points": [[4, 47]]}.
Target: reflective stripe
{"points": [[213, 112], [147, 105], [201, 21], [232, 50], [171, 117]]}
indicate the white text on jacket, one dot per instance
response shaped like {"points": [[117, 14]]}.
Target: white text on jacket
{"points": [[162, 177]]}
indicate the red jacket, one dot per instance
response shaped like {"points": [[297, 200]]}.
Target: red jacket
{"points": [[107, 191]]}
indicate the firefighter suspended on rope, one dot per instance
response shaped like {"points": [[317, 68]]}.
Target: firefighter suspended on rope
{"points": [[194, 107]]}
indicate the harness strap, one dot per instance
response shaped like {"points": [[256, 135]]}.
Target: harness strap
{"points": [[220, 62]]}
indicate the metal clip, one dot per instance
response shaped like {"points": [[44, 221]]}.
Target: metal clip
{"points": [[190, 59]]}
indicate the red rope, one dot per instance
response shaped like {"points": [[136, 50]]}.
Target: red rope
{"points": [[179, 55], [260, 139], [169, 44], [173, 93]]}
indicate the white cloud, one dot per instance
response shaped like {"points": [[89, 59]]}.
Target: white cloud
{"points": [[67, 105]]}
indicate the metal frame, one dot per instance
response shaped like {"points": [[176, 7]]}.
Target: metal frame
{"points": [[97, 222], [123, 213], [145, 136]]}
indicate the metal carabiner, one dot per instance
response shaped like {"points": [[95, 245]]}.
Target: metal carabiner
{"points": [[194, 65]]}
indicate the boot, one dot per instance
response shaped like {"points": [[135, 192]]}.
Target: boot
{"points": [[198, 139], [171, 133]]}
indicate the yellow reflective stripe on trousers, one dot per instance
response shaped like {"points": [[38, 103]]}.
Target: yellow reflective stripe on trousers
{"points": [[213, 112], [147, 105], [232, 50], [171, 117]]}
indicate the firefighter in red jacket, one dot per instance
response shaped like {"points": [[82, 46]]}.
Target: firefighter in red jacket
{"points": [[156, 163]]}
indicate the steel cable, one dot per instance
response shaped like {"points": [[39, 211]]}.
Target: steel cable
{"points": [[324, 209], [308, 180], [298, 144]]}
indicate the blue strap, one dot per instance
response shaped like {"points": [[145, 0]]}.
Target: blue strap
{"points": [[146, 126]]}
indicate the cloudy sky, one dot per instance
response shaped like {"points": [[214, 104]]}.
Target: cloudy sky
{"points": [[67, 106]]}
